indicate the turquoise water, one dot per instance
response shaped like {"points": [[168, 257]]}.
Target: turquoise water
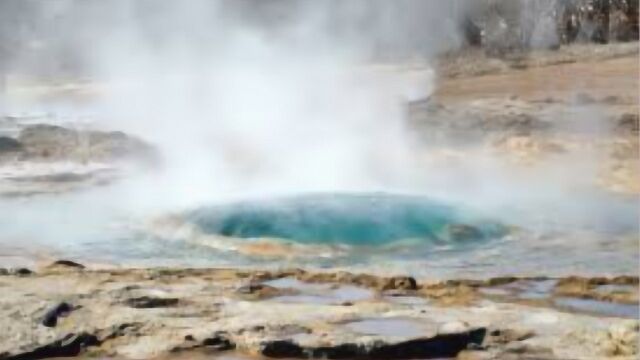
{"points": [[352, 219], [382, 233]]}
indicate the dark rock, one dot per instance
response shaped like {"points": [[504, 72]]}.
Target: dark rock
{"points": [[50, 318], [119, 330], [66, 263], [251, 288], [20, 272], [629, 122], [439, 346], [401, 283], [505, 336], [343, 351], [282, 349], [219, 342], [257, 291], [69, 346], [8, 145], [148, 302], [501, 280]]}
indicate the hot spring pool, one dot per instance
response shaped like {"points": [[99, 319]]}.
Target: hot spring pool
{"points": [[350, 219], [378, 233]]}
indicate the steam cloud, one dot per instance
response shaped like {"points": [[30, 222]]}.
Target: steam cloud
{"points": [[258, 97], [249, 98]]}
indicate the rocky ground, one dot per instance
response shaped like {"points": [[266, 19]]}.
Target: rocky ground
{"points": [[542, 108], [43, 158], [65, 309]]}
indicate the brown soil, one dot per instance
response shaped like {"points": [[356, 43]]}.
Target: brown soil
{"points": [[612, 77]]}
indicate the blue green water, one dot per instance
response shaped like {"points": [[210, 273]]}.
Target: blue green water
{"points": [[352, 219]]}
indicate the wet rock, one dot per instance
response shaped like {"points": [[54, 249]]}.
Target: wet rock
{"points": [[9, 145], [69, 346], [50, 318], [148, 302]]}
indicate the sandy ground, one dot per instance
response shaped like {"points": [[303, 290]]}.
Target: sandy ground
{"points": [[612, 77]]}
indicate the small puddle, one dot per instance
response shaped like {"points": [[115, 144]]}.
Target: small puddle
{"points": [[599, 307], [407, 300], [616, 288], [523, 289], [538, 289], [319, 293], [396, 327]]}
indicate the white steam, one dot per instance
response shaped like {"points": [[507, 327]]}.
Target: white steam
{"points": [[243, 107]]}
